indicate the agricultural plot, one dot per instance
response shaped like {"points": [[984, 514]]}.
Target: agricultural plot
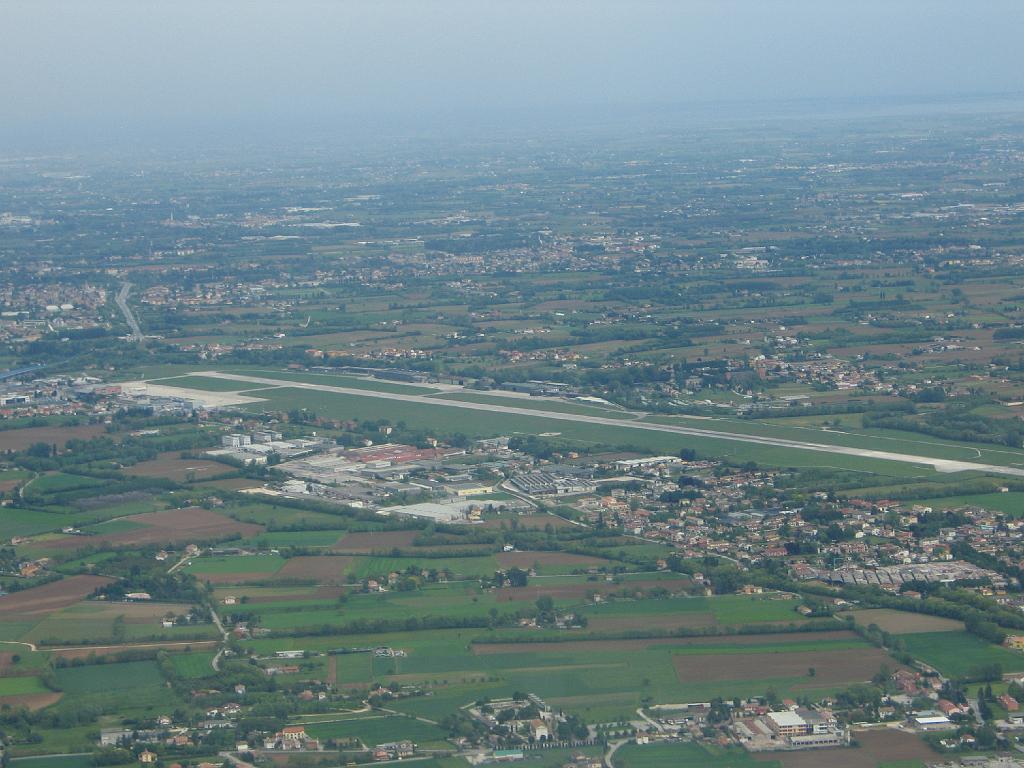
{"points": [[688, 755], [193, 665], [813, 665], [20, 439], [267, 514], [235, 569], [31, 522], [378, 730], [172, 526], [602, 679], [54, 761], [459, 567], [876, 748], [453, 602], [90, 622], [99, 678], [550, 562], [380, 542], [903, 622], [171, 466], [39, 601], [580, 589], [325, 569], [276, 539], [135, 687], [725, 610], [17, 686], [959, 654]]}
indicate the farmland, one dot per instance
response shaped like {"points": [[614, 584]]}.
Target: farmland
{"points": [[958, 653], [578, 443]]}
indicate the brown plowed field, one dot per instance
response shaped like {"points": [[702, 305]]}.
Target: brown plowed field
{"points": [[167, 527], [903, 623], [20, 439], [527, 560], [322, 569], [31, 701], [831, 667], [173, 467], [877, 747], [50, 597]]}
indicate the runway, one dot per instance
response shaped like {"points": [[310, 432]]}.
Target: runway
{"points": [[940, 465]]}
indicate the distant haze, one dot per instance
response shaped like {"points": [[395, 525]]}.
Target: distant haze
{"points": [[89, 68]]}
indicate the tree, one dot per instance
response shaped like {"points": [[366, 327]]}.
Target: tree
{"points": [[517, 577]]}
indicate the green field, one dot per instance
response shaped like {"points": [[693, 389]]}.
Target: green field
{"points": [[727, 610], [954, 654], [100, 678], [15, 686], [54, 761], [193, 665], [378, 730], [599, 680], [1011, 504]]}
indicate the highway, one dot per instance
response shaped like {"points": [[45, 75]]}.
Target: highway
{"points": [[122, 303], [940, 465]]}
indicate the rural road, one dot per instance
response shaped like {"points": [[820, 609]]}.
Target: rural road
{"points": [[215, 661], [940, 465], [122, 303]]}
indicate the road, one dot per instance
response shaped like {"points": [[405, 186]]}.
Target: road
{"points": [[940, 465], [122, 303], [215, 661]]}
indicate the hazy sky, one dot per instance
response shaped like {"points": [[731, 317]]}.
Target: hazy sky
{"points": [[85, 65]]}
